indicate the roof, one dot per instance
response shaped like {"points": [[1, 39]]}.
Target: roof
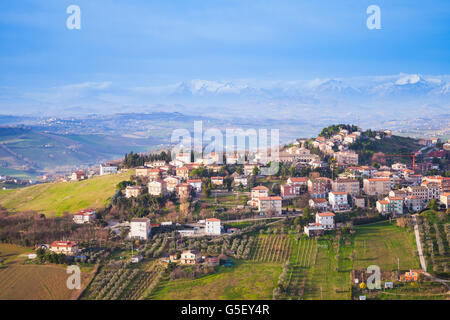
{"points": [[213, 219], [86, 212], [319, 200], [217, 178], [395, 198], [63, 244], [383, 201], [326, 214], [270, 198], [194, 180], [304, 179], [260, 188], [338, 192], [378, 179]]}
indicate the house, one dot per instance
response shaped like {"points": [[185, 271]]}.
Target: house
{"points": [[241, 180], [157, 188], [319, 187], [320, 204], [258, 192], [140, 228], [84, 216], [411, 275], [218, 181], [326, 219], [445, 199], [414, 203], [299, 182], [183, 158], [183, 172], [213, 227], [383, 207], [346, 157], [79, 175], [288, 191], [154, 174], [314, 229], [390, 205], [350, 186], [196, 184], [133, 191], [269, 205], [142, 171], [190, 257], [172, 183], [155, 164], [338, 200], [65, 247], [232, 159], [377, 186], [107, 169], [443, 182], [359, 202]]}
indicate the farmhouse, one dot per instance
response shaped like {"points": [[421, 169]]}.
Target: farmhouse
{"points": [[64, 247], [190, 257], [84, 216], [79, 175]]}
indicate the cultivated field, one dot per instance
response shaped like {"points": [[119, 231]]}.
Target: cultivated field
{"points": [[20, 281], [62, 197]]}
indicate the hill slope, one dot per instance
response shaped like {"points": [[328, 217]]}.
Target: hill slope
{"points": [[60, 197]]}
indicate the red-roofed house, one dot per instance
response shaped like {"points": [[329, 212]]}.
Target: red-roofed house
{"points": [[65, 247], [84, 216], [326, 219], [269, 205]]}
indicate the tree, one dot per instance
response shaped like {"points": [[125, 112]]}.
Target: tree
{"points": [[306, 215], [255, 171]]}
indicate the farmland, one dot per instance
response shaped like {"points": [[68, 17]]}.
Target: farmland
{"points": [[19, 281], [60, 197], [245, 280]]}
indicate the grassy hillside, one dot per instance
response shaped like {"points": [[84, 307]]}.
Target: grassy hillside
{"points": [[59, 197]]}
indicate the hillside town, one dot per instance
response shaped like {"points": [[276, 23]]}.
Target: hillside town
{"points": [[207, 213]]}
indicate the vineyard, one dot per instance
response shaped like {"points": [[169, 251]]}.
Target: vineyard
{"points": [[272, 248]]}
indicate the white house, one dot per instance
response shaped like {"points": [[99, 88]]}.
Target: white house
{"points": [[157, 188], [213, 226], [196, 184], [140, 228], [338, 200], [84, 216], [326, 219], [107, 169], [241, 180]]}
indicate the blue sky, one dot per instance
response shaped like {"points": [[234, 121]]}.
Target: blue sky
{"points": [[145, 42]]}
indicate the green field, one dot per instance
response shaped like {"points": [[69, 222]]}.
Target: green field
{"points": [[245, 280], [62, 197], [384, 244]]}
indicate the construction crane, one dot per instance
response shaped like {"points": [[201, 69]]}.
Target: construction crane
{"points": [[413, 156]]}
